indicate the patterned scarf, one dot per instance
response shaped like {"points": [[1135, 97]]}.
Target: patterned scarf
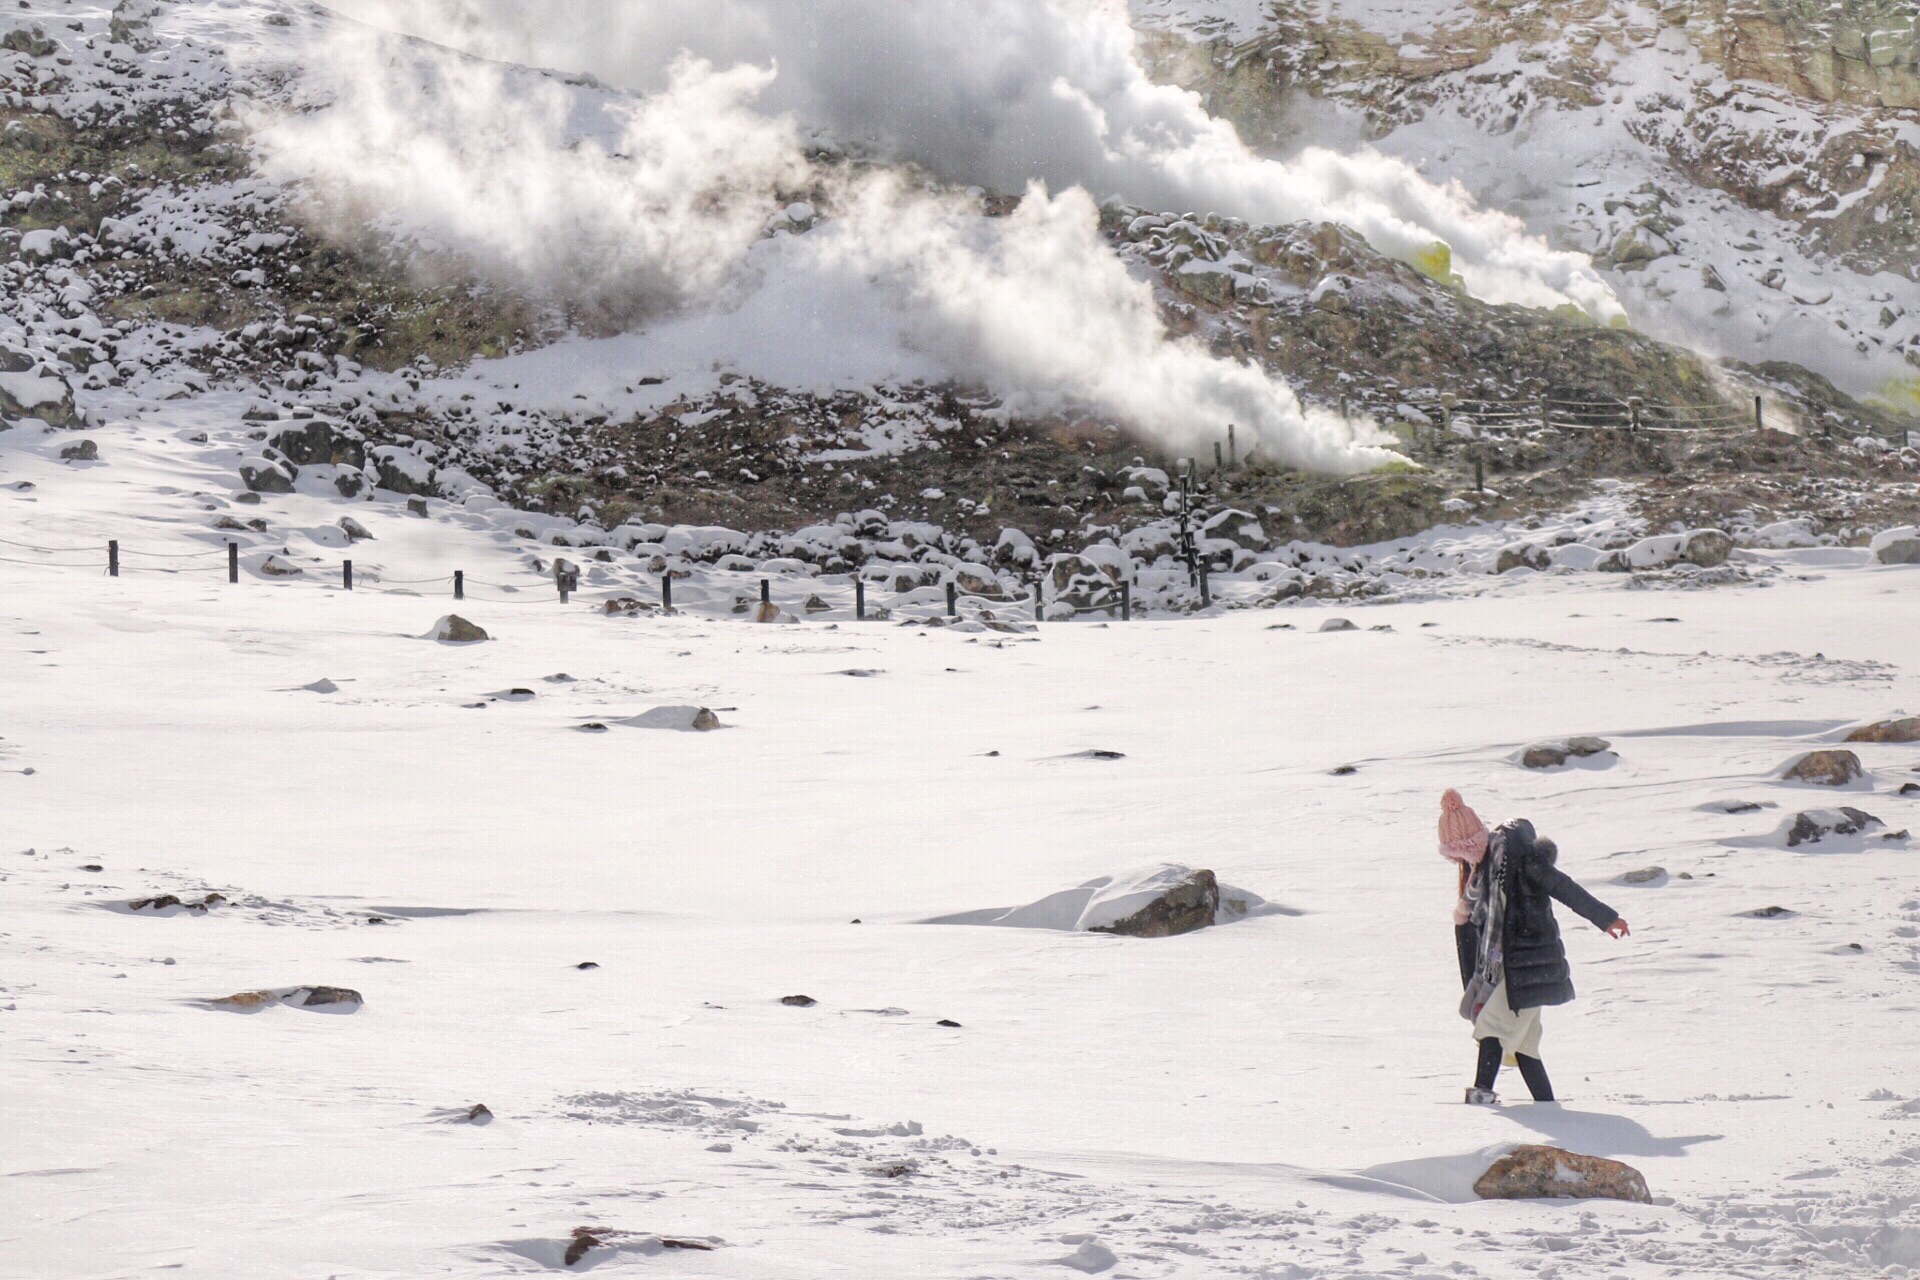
{"points": [[1486, 900]]}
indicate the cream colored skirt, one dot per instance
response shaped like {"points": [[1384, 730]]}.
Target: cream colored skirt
{"points": [[1516, 1032]]}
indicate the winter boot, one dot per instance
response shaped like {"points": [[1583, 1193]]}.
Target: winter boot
{"points": [[1478, 1097]]}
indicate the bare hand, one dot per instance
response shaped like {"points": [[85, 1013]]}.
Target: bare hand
{"points": [[1618, 929]]}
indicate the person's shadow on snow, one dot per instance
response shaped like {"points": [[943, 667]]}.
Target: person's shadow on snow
{"points": [[1597, 1133]]}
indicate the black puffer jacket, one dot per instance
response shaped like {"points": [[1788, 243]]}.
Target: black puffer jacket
{"points": [[1533, 957]]}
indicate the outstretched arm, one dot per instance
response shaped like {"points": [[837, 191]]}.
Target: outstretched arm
{"points": [[1577, 900]]}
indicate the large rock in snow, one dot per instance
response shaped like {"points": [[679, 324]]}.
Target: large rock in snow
{"points": [[683, 719], [1549, 1173], [454, 629], [1158, 901], [1177, 902], [1816, 825], [402, 470], [266, 475], [1897, 546], [37, 394], [332, 999], [1555, 755], [1901, 729], [1826, 768]]}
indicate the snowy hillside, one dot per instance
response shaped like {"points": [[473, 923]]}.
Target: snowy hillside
{"points": [[1744, 174]]}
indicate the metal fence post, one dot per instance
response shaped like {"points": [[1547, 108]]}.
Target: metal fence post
{"points": [[953, 600], [1546, 417], [666, 592], [1206, 588], [459, 584], [1039, 601], [1759, 415], [859, 599], [1233, 448], [766, 591], [113, 559], [233, 563], [1126, 602], [346, 574], [1633, 413]]}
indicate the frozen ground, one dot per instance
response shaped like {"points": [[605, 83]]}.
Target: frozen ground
{"points": [[1277, 1097]]}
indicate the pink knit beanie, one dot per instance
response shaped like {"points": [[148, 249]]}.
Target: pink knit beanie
{"points": [[1463, 837]]}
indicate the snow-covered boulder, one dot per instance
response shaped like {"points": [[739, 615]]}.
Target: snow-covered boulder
{"points": [[329, 999], [1706, 548], [1898, 729], [978, 580], [1157, 901], [35, 393], [454, 629], [1817, 825], [1014, 548], [1548, 1173], [267, 475], [765, 611], [1522, 555], [402, 470], [1826, 769], [46, 246], [1897, 546], [1586, 749], [678, 719]]}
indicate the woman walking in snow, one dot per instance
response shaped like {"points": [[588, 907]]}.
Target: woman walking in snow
{"points": [[1512, 962]]}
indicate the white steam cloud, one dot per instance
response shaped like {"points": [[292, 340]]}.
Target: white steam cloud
{"points": [[657, 194], [1002, 92]]}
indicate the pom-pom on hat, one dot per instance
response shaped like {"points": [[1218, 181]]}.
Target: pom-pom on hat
{"points": [[1463, 837]]}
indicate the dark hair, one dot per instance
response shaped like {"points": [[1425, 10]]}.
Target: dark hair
{"points": [[1546, 850]]}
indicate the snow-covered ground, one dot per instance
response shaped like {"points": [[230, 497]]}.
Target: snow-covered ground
{"points": [[1275, 1097]]}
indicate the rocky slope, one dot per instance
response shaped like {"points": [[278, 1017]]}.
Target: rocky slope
{"points": [[148, 263], [1748, 171]]}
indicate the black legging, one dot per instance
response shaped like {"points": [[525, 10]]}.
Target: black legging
{"points": [[1532, 1070]]}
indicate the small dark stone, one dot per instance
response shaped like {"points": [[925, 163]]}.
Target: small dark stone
{"points": [[479, 1114], [799, 1002], [1910, 788], [946, 1022], [1345, 770], [1769, 913], [591, 726], [856, 920], [587, 964], [93, 866]]}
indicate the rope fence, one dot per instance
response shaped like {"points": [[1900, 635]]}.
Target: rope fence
{"points": [[563, 585]]}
